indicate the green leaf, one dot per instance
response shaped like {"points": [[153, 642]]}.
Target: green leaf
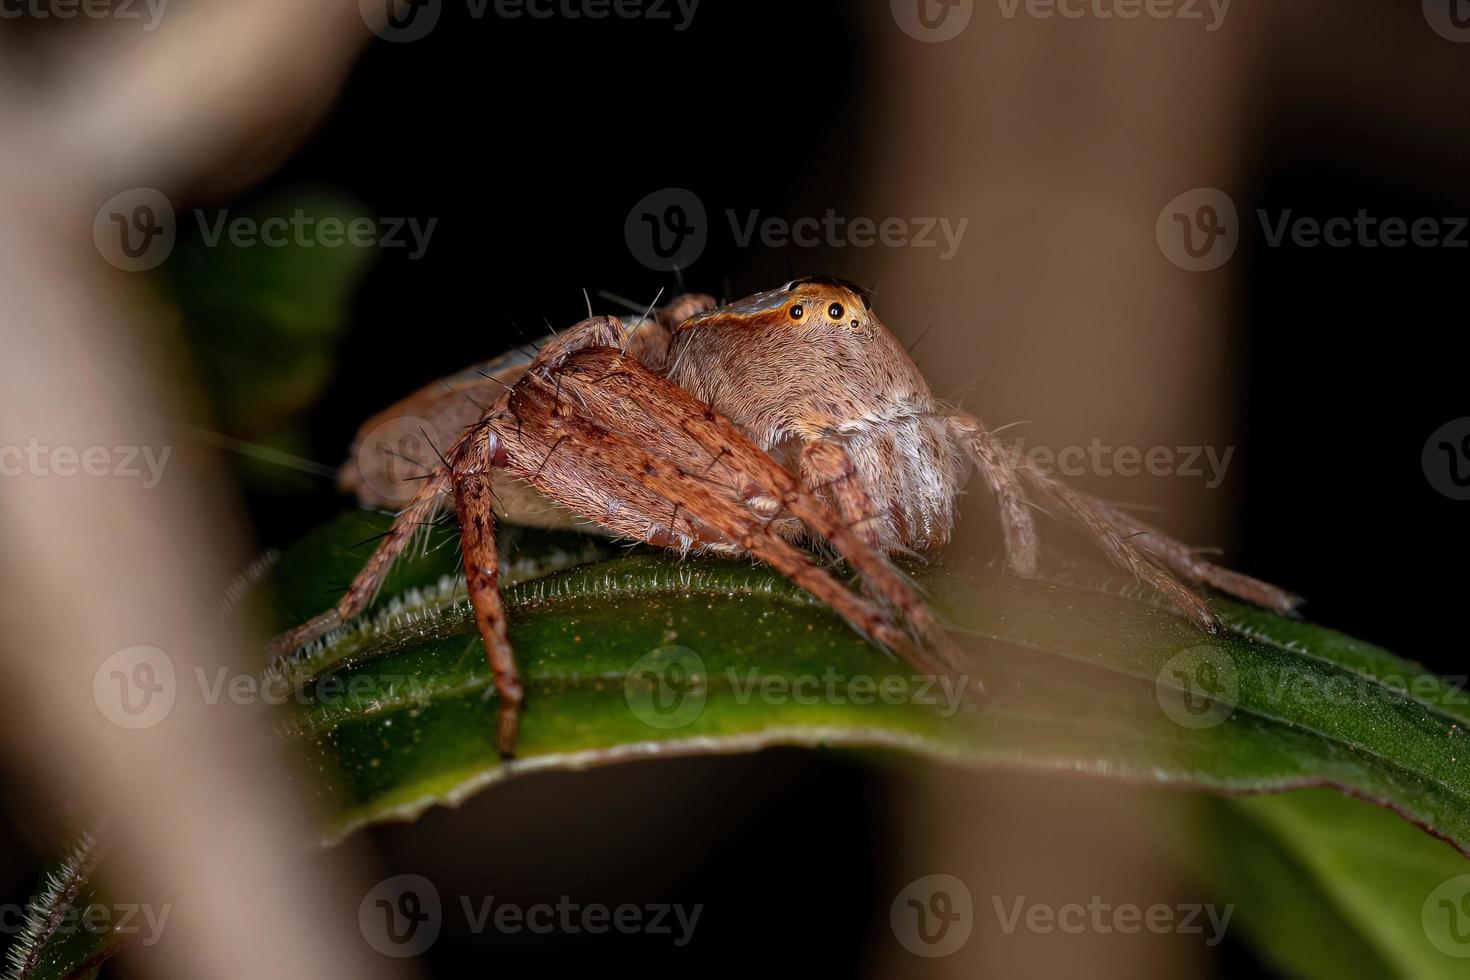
{"points": [[264, 316], [1330, 887], [641, 655], [644, 655], [58, 939]]}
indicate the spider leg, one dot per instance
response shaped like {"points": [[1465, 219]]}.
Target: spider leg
{"points": [[473, 503], [1163, 550], [655, 436], [1004, 479], [366, 584], [1147, 553], [682, 307], [466, 472], [1121, 546], [661, 500], [827, 471]]}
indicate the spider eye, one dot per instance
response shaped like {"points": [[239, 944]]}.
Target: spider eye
{"points": [[835, 311], [798, 311]]}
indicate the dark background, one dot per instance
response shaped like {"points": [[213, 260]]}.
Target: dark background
{"points": [[530, 141]]}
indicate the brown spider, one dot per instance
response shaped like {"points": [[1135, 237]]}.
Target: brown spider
{"points": [[791, 415]]}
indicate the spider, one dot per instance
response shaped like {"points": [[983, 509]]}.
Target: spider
{"points": [[791, 417]]}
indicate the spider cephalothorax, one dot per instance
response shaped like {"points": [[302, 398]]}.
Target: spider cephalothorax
{"points": [[810, 365], [790, 416]]}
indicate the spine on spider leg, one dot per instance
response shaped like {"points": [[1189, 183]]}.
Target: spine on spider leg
{"points": [[1173, 554], [870, 563], [717, 435], [1151, 556], [828, 472], [993, 459], [482, 581], [717, 513], [1118, 544], [865, 615], [887, 581], [365, 585]]}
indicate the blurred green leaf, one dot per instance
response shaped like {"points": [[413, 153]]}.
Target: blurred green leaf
{"points": [[1330, 887], [264, 319]]}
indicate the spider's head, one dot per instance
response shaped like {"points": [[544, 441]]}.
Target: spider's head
{"points": [[814, 304], [807, 357]]}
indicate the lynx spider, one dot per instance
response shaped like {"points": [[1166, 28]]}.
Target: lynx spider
{"points": [[791, 416]]}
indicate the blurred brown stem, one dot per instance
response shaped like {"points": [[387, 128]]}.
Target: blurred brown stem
{"points": [[95, 564]]}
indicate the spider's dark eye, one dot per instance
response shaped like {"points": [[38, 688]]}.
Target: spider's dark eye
{"points": [[835, 311], [798, 311]]}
